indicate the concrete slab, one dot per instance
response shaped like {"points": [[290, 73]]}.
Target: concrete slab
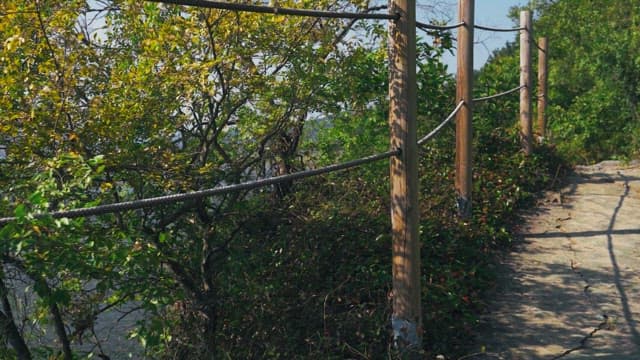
{"points": [[570, 289]]}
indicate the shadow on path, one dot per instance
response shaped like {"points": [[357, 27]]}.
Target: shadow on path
{"points": [[568, 288], [616, 268]]}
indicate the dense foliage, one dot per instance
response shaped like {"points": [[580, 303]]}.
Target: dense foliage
{"points": [[593, 79], [107, 101]]}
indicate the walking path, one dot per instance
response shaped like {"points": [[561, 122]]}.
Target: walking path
{"points": [[570, 289]]}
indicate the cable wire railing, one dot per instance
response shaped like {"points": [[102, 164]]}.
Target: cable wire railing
{"points": [[536, 45], [425, 26], [497, 29], [222, 5], [455, 111], [438, 128], [495, 96], [168, 199]]}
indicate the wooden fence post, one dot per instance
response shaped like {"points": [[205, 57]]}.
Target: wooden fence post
{"points": [[464, 117], [542, 87], [525, 82], [406, 319]]}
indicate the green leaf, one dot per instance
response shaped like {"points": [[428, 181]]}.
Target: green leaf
{"points": [[6, 231], [20, 212], [36, 198]]}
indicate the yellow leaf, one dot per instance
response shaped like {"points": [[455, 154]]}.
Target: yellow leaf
{"points": [[106, 186]]}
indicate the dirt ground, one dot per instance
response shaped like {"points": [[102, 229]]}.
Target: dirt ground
{"points": [[570, 289]]}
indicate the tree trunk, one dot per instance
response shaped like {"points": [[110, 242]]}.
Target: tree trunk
{"points": [[210, 328], [60, 330], [8, 326], [288, 144]]}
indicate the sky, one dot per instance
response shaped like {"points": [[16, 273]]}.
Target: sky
{"points": [[489, 13]]}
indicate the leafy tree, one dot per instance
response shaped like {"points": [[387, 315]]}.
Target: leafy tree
{"points": [[596, 81], [593, 77], [172, 99]]}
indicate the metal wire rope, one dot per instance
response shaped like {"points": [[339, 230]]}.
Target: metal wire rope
{"points": [[425, 26], [435, 131], [278, 10], [167, 199], [489, 28], [535, 43], [485, 98]]}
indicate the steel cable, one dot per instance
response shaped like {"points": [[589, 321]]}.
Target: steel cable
{"points": [[435, 131], [167, 199], [425, 26], [489, 28], [535, 44], [278, 10], [485, 98]]}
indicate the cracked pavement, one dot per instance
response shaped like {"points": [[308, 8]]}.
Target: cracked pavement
{"points": [[570, 288]]}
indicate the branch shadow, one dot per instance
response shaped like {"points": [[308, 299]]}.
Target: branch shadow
{"points": [[616, 267], [577, 178], [541, 305]]}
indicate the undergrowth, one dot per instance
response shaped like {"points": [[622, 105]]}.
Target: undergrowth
{"points": [[310, 276]]}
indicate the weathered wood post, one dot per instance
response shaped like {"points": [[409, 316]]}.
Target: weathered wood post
{"points": [[542, 87], [406, 319], [464, 117], [526, 83]]}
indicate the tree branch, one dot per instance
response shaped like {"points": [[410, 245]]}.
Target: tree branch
{"points": [[7, 324]]}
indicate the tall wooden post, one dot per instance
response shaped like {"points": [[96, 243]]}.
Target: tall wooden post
{"points": [[406, 319], [525, 82], [464, 126], [542, 86]]}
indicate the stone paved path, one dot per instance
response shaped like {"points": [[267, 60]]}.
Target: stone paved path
{"points": [[571, 288]]}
